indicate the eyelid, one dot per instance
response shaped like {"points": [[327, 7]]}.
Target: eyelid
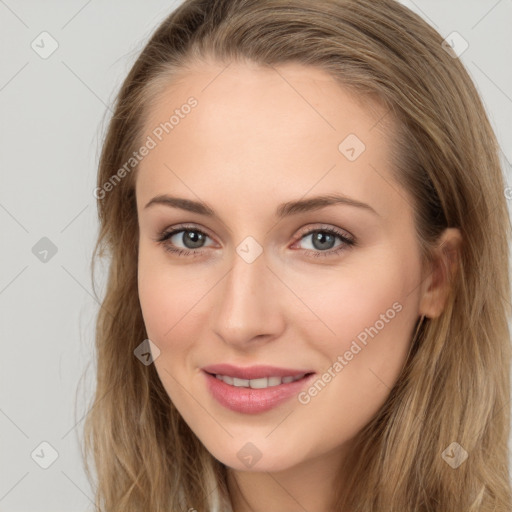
{"points": [[348, 240], [302, 231], [167, 233], [326, 227]]}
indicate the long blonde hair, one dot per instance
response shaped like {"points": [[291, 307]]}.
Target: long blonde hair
{"points": [[455, 386]]}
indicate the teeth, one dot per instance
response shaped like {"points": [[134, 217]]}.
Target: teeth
{"points": [[265, 382], [274, 381]]}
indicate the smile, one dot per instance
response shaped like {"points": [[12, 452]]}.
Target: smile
{"points": [[254, 396], [262, 383]]}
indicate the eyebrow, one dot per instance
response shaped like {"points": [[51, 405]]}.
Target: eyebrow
{"points": [[283, 210]]}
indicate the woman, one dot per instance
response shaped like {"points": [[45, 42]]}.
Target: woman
{"points": [[308, 293]]}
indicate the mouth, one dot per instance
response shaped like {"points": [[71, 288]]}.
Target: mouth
{"points": [[255, 395], [255, 372], [260, 383]]}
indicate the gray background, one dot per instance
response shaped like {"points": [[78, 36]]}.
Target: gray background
{"points": [[53, 114]]}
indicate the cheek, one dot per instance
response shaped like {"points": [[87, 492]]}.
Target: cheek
{"points": [[367, 313], [377, 292], [363, 310], [167, 296], [360, 373], [371, 313]]}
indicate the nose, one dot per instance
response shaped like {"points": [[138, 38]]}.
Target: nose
{"points": [[248, 306]]}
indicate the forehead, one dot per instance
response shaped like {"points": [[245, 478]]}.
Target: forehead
{"points": [[260, 130], [286, 91]]}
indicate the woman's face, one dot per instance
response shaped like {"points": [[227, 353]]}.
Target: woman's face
{"points": [[269, 274]]}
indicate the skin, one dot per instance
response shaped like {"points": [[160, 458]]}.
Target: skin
{"points": [[258, 138]]}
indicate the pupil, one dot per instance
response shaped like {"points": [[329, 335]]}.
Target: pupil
{"points": [[194, 238], [319, 240]]}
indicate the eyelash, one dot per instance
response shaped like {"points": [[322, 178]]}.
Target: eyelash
{"points": [[165, 235]]}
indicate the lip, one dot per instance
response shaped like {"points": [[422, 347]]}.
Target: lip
{"points": [[253, 372], [254, 401]]}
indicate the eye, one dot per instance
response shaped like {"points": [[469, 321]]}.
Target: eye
{"points": [[322, 241], [191, 237]]}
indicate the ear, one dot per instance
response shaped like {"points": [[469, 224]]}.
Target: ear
{"points": [[437, 282]]}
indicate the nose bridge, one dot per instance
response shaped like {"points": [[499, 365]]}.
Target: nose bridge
{"points": [[247, 302]]}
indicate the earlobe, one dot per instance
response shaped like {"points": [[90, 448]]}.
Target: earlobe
{"points": [[438, 281]]}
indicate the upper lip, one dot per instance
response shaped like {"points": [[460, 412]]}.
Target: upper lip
{"points": [[253, 372]]}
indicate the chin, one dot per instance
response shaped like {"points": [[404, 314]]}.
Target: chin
{"points": [[254, 458]]}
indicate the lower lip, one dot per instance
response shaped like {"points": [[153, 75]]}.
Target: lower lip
{"points": [[253, 401]]}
